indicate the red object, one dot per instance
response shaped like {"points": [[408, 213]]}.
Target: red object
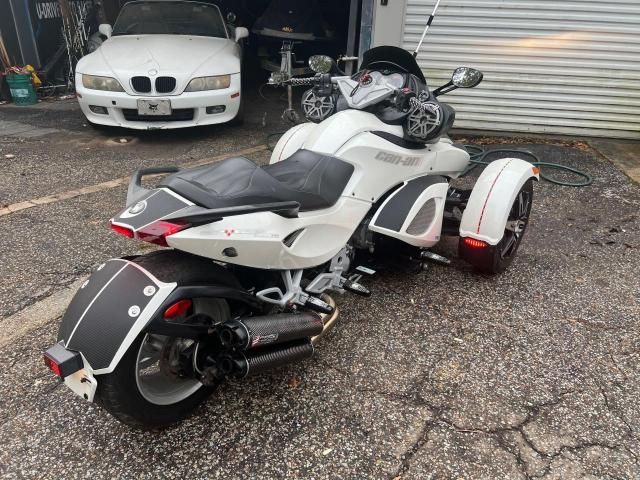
{"points": [[235, 95], [126, 231], [53, 366], [158, 231], [473, 243], [178, 309]]}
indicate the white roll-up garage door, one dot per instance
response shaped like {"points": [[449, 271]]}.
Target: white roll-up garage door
{"points": [[566, 67]]}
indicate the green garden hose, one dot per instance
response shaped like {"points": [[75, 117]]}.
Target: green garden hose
{"points": [[478, 155]]}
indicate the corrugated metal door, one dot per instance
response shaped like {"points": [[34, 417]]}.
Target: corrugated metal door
{"points": [[567, 67]]}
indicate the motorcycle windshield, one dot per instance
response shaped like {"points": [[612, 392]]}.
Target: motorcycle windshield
{"points": [[393, 58]]}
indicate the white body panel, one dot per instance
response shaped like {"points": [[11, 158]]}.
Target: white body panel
{"points": [[487, 211], [258, 237], [183, 57], [379, 166]]}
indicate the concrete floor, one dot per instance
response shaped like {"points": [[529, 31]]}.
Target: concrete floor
{"points": [[440, 374]]}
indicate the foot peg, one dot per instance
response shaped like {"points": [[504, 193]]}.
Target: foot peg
{"points": [[318, 305], [434, 258], [357, 288]]}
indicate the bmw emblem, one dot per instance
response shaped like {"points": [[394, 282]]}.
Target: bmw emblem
{"points": [[138, 208], [153, 72]]}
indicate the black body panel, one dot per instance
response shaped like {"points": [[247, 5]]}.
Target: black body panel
{"points": [[399, 141], [158, 204], [111, 315], [313, 180], [395, 212], [86, 294]]}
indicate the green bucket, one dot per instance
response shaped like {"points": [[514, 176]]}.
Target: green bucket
{"points": [[22, 91]]}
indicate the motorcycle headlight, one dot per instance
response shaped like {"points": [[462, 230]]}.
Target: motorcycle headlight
{"points": [[94, 82], [208, 83]]}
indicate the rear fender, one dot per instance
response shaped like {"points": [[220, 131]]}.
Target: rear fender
{"points": [[292, 141], [485, 217], [118, 302]]}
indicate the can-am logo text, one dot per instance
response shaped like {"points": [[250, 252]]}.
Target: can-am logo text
{"points": [[399, 159]]}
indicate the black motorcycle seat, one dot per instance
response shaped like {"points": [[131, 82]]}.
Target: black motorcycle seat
{"points": [[314, 180]]}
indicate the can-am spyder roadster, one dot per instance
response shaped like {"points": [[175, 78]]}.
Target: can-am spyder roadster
{"points": [[255, 251]]}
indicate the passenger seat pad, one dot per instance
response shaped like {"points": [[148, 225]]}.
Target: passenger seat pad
{"points": [[313, 180]]}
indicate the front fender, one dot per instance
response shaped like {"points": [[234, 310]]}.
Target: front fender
{"points": [[292, 141], [485, 217]]}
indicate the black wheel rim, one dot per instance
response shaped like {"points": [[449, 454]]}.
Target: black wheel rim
{"points": [[516, 224]]}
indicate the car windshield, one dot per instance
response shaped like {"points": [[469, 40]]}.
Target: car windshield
{"points": [[170, 18]]}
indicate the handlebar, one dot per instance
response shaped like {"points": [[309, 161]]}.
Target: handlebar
{"points": [[297, 82]]}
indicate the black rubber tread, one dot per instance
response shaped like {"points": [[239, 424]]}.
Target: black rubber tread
{"points": [[488, 260], [118, 394]]}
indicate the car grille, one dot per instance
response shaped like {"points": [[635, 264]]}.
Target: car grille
{"points": [[177, 115], [141, 84], [165, 84]]}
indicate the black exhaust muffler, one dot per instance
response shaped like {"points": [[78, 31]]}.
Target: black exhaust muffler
{"points": [[254, 362], [254, 332]]}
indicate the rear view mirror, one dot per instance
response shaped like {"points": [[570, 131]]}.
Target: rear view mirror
{"points": [[465, 77], [321, 63], [105, 29], [241, 32]]}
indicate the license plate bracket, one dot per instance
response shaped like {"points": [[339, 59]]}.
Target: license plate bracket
{"points": [[154, 108]]}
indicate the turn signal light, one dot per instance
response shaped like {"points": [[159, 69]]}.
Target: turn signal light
{"points": [[178, 309], [126, 231], [158, 231], [473, 243]]}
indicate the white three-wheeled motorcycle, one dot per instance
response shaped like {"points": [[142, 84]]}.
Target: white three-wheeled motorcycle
{"points": [[255, 253]]}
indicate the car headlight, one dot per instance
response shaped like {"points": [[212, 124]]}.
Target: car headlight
{"points": [[208, 83], [94, 82]]}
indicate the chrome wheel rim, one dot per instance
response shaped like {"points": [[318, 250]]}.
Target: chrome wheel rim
{"points": [[154, 384]]}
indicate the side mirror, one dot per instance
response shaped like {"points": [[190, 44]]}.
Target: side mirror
{"points": [[321, 63], [465, 77], [241, 32], [231, 17], [105, 29]]}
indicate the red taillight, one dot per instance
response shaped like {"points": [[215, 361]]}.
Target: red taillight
{"points": [[53, 366], [126, 231], [473, 243], [178, 309], [158, 231]]}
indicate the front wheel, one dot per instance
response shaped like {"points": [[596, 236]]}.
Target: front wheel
{"points": [[496, 258], [154, 384]]}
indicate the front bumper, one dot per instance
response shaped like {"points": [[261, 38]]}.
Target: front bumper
{"points": [[119, 106]]}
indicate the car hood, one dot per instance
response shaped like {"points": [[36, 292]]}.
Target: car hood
{"points": [[181, 56]]}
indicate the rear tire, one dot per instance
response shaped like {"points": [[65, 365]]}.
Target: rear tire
{"points": [[494, 259], [123, 392]]}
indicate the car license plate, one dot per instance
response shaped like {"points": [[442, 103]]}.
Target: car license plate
{"points": [[154, 107]]}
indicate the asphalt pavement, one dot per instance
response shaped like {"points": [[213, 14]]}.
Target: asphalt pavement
{"points": [[441, 374]]}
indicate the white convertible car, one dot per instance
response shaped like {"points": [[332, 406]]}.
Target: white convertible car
{"points": [[165, 64]]}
